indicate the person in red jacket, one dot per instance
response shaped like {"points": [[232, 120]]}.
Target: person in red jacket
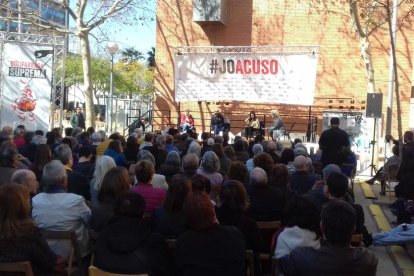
{"points": [[187, 121]]}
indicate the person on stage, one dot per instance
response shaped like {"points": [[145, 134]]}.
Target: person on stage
{"points": [[252, 124], [278, 126], [217, 122], [187, 121]]}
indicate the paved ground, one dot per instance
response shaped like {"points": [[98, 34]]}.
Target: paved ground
{"points": [[393, 260]]}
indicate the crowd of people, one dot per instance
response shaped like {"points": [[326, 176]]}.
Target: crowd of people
{"points": [[124, 197]]}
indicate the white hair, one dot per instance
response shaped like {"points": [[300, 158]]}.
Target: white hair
{"points": [[103, 165], [258, 176], [54, 173], [195, 148]]}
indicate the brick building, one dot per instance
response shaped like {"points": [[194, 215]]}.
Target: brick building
{"points": [[340, 84]]}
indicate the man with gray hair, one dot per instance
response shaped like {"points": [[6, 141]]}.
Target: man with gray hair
{"points": [[77, 183], [57, 210], [26, 178], [256, 149], [301, 180], [266, 203], [191, 163]]}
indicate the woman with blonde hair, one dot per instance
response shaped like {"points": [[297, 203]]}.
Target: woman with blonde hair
{"points": [[278, 126]]}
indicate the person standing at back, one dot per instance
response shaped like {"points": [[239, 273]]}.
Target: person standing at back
{"points": [[77, 119], [331, 143]]}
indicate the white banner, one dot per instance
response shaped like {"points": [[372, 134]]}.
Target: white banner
{"points": [[27, 83], [252, 77]]}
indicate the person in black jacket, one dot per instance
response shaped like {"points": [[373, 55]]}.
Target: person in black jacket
{"points": [[217, 122], [126, 245], [331, 142]]}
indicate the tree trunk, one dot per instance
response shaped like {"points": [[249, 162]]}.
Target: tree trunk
{"points": [[365, 46], [87, 79], [396, 82]]}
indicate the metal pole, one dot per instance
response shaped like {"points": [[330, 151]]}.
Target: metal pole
{"points": [[111, 91], [391, 70]]}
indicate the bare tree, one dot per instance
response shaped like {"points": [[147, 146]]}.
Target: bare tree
{"points": [[99, 12]]}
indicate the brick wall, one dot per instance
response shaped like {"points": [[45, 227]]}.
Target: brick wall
{"points": [[341, 74]]}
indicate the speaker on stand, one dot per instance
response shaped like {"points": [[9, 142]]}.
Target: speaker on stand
{"points": [[374, 110]]}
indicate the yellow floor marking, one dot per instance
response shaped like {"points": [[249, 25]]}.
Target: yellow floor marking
{"points": [[400, 254], [367, 190]]}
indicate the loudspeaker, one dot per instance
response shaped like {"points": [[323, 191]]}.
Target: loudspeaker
{"points": [[374, 105]]}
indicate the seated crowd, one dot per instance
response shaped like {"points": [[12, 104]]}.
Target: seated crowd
{"points": [[125, 198]]}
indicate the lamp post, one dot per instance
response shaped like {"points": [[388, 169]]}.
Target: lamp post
{"points": [[112, 49]]}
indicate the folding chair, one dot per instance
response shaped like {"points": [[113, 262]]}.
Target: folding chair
{"points": [[390, 178], [287, 132], [75, 249], [94, 271], [267, 230], [22, 267]]}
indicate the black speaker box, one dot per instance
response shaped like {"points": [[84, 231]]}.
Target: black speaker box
{"points": [[374, 105]]}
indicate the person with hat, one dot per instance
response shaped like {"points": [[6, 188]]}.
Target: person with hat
{"points": [[278, 126], [187, 121]]}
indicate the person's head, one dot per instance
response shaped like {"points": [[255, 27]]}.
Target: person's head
{"points": [[130, 204], [239, 146], [218, 149], [169, 139], [195, 148], [43, 155], [252, 115], [274, 113], [63, 153], [334, 121], [173, 158], [300, 149], [68, 131], [330, 169], [265, 161], [8, 155], [408, 136], [338, 222], [200, 183], [114, 183], [15, 220], [337, 184], [218, 139], [144, 171], [187, 112], [26, 178], [230, 153], [256, 149], [19, 132], [146, 155], [86, 151], [258, 177], [103, 135], [178, 190], [160, 141], [302, 212], [199, 211], [205, 136], [28, 136], [287, 156], [271, 146], [395, 150], [96, 138], [233, 196], [149, 137], [103, 164], [210, 162], [116, 146], [238, 171], [300, 163], [190, 163], [54, 175], [279, 176]]}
